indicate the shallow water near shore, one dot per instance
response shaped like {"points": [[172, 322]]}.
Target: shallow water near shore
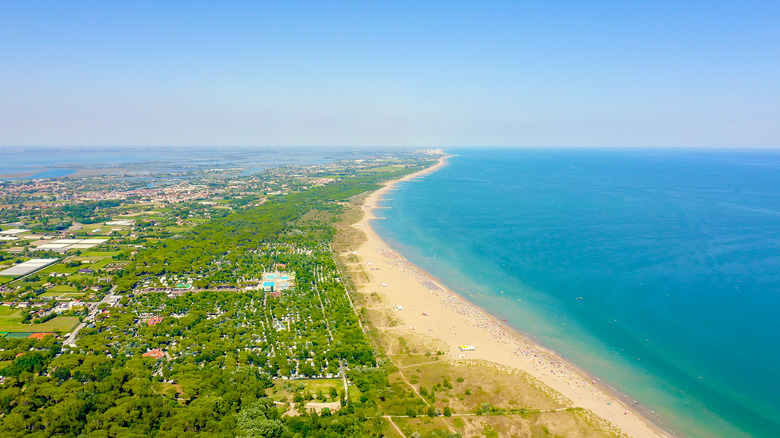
{"points": [[656, 270]]}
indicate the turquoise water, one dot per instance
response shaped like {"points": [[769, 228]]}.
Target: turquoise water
{"points": [[656, 270]]}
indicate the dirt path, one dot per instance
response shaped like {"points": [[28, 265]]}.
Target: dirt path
{"points": [[395, 426]]}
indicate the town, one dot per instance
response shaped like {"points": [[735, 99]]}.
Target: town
{"points": [[174, 286]]}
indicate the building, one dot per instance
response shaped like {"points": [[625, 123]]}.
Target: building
{"points": [[27, 267], [122, 223], [155, 353]]}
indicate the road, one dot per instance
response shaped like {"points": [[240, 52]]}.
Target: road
{"points": [[109, 299]]}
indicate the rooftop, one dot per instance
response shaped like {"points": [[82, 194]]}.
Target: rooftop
{"points": [[27, 267]]}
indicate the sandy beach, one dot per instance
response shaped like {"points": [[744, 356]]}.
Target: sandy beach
{"points": [[429, 308]]}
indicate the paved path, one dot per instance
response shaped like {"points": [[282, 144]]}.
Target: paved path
{"points": [[108, 299]]}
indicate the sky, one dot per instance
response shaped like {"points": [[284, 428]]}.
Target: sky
{"points": [[454, 73]]}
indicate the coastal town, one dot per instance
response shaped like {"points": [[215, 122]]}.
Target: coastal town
{"points": [[97, 274], [65, 244], [177, 292]]}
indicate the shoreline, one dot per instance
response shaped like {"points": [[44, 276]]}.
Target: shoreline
{"points": [[17, 175], [432, 309]]}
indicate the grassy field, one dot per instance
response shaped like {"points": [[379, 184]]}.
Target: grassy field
{"points": [[177, 229], [169, 388], [100, 253], [50, 294], [58, 289], [63, 296], [62, 324], [72, 296], [425, 426], [93, 263], [322, 384], [10, 318], [6, 311], [285, 390], [31, 284], [354, 393], [60, 268], [90, 227], [88, 259], [388, 168], [99, 264], [151, 216]]}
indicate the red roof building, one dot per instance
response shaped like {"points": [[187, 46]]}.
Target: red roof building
{"points": [[154, 320], [156, 353]]}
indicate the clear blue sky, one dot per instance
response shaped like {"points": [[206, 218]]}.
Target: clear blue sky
{"points": [[542, 73]]}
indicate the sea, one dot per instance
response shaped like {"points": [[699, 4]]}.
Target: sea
{"points": [[655, 270]]}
